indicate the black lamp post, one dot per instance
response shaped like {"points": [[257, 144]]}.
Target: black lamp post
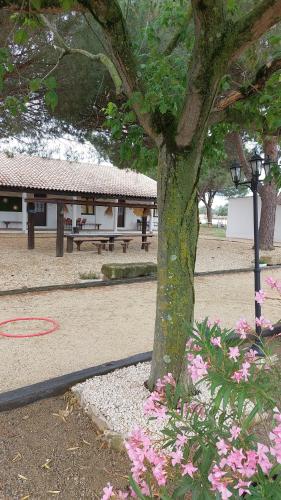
{"points": [[257, 165]]}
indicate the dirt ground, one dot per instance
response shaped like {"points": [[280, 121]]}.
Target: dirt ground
{"points": [[23, 268], [46, 453], [104, 324]]}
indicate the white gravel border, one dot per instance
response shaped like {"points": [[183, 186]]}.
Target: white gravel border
{"points": [[119, 398]]}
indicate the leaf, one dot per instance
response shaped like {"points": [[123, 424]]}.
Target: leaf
{"points": [[20, 36], [185, 485], [51, 99], [50, 83], [36, 4], [35, 84]]}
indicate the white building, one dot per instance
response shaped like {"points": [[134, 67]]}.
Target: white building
{"points": [[25, 176], [240, 219]]}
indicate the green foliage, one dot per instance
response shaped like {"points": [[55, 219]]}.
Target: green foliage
{"points": [[124, 129]]}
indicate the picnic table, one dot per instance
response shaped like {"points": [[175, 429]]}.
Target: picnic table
{"points": [[106, 238]]}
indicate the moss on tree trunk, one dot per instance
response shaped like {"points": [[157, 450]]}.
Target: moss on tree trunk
{"points": [[177, 242]]}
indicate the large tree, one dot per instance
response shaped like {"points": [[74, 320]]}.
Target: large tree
{"points": [[176, 120]]}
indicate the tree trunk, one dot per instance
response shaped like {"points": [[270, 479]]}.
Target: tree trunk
{"points": [[177, 242], [268, 194], [209, 214]]}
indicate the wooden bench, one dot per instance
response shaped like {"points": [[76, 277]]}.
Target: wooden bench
{"points": [[79, 240], [100, 246], [145, 245], [125, 244]]}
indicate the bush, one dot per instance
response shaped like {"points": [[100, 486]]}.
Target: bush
{"points": [[222, 441]]}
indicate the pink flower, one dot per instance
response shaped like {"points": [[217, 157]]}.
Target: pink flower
{"points": [[242, 328], [216, 341], [181, 440], [263, 461], [242, 487], [264, 323], [217, 482], [251, 356], [234, 432], [197, 368], [237, 376], [222, 447], [242, 374], [271, 282], [233, 353], [160, 474], [107, 492], [122, 495], [260, 297], [176, 457], [188, 469]]}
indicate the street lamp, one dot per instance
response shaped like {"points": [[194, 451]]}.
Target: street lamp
{"points": [[257, 164]]}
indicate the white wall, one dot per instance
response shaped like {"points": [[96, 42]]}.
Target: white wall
{"points": [[240, 219]]}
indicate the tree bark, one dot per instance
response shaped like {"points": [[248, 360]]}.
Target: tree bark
{"points": [[209, 214], [177, 241], [268, 194]]}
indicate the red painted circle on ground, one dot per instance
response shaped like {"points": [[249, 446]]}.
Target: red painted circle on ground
{"points": [[54, 323]]}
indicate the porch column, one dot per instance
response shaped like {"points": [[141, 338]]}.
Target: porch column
{"points": [[115, 218], [24, 213], [151, 222], [60, 230], [74, 213]]}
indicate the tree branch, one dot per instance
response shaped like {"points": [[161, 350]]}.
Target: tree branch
{"points": [[102, 58], [109, 16], [204, 74], [252, 26], [258, 84]]}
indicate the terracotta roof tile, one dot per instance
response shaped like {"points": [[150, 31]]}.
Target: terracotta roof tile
{"points": [[30, 172]]}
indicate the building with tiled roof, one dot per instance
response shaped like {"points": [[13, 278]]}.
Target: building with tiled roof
{"points": [[24, 176]]}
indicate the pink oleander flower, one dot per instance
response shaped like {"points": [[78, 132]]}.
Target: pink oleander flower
{"points": [[251, 356], [181, 440], [260, 297], [222, 447], [160, 474], [237, 376], [122, 495], [176, 457], [234, 432], [217, 482], [107, 492], [197, 368], [264, 323], [188, 469], [242, 374], [216, 341], [217, 321], [233, 353], [272, 282], [242, 328], [242, 487], [262, 458]]}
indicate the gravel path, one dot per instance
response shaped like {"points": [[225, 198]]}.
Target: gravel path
{"points": [[20, 267], [104, 324]]}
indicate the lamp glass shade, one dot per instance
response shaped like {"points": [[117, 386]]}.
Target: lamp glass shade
{"points": [[256, 164], [235, 171]]}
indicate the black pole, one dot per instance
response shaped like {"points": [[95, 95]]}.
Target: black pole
{"points": [[257, 272]]}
